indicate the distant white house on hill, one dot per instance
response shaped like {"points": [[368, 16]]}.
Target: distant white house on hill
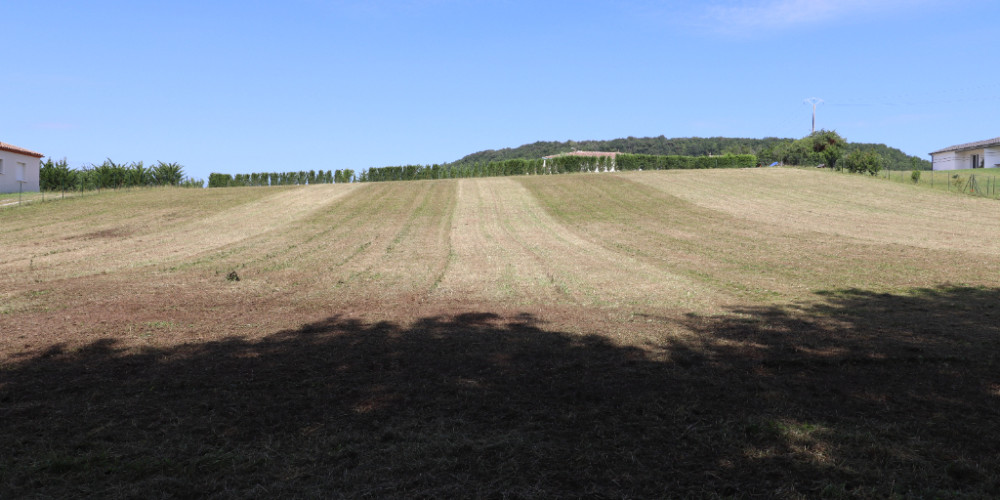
{"points": [[19, 169], [593, 154], [969, 155]]}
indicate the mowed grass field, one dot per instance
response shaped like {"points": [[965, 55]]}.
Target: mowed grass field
{"points": [[760, 333], [983, 182]]}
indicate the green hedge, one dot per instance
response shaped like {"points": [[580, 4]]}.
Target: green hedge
{"points": [[280, 178], [416, 172], [673, 162], [557, 165]]}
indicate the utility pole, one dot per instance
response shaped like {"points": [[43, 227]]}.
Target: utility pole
{"points": [[814, 101]]}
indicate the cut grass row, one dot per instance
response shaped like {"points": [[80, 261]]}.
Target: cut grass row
{"points": [[750, 234]]}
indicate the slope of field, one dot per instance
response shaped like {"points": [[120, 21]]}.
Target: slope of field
{"points": [[763, 332]]}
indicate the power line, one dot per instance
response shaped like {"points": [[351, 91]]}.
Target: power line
{"points": [[986, 92], [814, 101]]}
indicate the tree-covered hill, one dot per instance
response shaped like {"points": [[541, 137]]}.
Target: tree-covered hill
{"points": [[894, 158], [768, 149]]}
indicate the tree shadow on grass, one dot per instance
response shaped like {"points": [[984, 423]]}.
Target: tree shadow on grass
{"points": [[862, 395]]}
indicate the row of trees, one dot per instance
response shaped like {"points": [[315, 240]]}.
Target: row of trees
{"points": [[484, 169], [58, 176], [281, 178], [822, 147], [557, 165]]}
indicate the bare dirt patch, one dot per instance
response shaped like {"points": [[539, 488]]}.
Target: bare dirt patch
{"points": [[118, 232]]}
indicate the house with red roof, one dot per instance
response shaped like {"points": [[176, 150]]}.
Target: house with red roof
{"points": [[19, 169]]}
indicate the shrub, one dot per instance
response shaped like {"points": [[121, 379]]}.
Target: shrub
{"points": [[219, 180], [915, 176], [863, 162]]}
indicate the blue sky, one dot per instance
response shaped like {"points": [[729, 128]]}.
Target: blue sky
{"points": [[248, 86]]}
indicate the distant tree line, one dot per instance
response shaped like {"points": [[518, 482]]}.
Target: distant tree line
{"points": [[418, 172], [281, 178], [556, 165], [768, 150], [822, 147], [58, 176]]}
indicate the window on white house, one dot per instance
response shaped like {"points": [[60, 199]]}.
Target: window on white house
{"points": [[1, 166], [21, 167]]}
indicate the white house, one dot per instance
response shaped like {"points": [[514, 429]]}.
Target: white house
{"points": [[592, 154], [19, 169], [969, 155]]}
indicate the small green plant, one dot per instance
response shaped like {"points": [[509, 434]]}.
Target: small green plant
{"points": [[915, 176], [232, 276]]}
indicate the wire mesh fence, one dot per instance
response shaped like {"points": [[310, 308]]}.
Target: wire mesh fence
{"points": [[984, 184]]}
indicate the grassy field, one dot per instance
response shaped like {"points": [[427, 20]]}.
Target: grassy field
{"points": [[759, 333], [955, 181], [8, 200]]}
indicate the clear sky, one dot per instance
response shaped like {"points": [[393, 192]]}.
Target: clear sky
{"points": [[249, 86]]}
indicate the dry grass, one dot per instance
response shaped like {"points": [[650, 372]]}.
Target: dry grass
{"points": [[751, 333], [952, 181], [508, 249], [731, 231], [843, 205]]}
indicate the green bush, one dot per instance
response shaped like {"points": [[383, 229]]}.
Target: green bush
{"points": [[915, 176], [219, 180], [862, 162]]}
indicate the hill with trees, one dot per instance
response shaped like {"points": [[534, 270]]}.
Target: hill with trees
{"points": [[768, 150]]}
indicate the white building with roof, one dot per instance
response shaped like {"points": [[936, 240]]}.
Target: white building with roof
{"points": [[19, 169], [591, 154], [969, 155]]}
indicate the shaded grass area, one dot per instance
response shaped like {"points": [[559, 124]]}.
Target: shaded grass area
{"points": [[857, 395]]}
